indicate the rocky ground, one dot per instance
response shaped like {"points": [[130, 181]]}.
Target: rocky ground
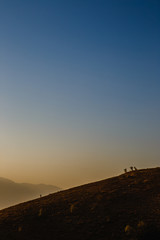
{"points": [[123, 207]]}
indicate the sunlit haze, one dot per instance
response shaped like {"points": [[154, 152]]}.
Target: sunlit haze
{"points": [[79, 89]]}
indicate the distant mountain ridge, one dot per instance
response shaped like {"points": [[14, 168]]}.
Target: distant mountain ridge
{"points": [[12, 193]]}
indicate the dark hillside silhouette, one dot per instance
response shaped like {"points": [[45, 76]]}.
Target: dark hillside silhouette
{"points": [[119, 208]]}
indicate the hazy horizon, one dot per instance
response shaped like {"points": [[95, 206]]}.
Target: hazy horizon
{"points": [[79, 89]]}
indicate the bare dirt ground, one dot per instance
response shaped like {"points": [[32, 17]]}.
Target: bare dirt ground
{"points": [[123, 207]]}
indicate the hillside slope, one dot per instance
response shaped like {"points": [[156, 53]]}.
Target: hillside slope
{"points": [[123, 207]]}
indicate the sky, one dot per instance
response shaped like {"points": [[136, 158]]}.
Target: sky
{"points": [[79, 89]]}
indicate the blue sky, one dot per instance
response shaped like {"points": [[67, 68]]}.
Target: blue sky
{"points": [[79, 88]]}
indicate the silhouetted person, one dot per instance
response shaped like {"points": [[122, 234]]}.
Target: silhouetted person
{"points": [[125, 170], [135, 168], [131, 168], [40, 195]]}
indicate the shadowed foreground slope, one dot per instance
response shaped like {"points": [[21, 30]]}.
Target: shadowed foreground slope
{"points": [[123, 207]]}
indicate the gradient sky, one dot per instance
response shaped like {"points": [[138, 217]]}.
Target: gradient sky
{"points": [[79, 89]]}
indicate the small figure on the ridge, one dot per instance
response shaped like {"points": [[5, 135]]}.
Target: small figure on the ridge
{"points": [[125, 170], [135, 168], [40, 195], [131, 168]]}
